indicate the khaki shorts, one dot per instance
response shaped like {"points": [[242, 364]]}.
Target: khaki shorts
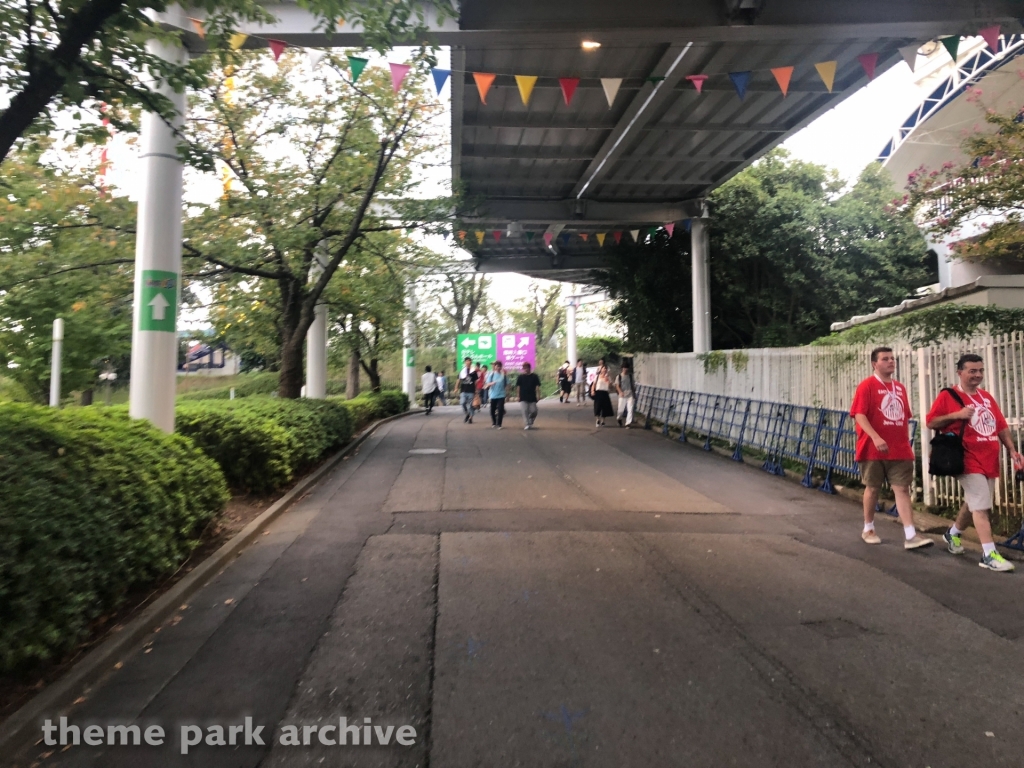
{"points": [[977, 491], [898, 473]]}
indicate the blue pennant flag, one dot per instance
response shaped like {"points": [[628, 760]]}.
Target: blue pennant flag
{"points": [[686, 225], [740, 81], [440, 77]]}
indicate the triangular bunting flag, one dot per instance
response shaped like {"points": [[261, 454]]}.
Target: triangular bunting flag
{"points": [[564, 237], [635, 234], [687, 224], [568, 87], [530, 235], [277, 47], [869, 61], [827, 73], [909, 54], [237, 40], [197, 25], [698, 81], [462, 235], [782, 76], [611, 88], [952, 44], [314, 57], [600, 239], [483, 84], [548, 236], [584, 236], [990, 34], [357, 65], [654, 79], [617, 236], [526, 83], [440, 78], [398, 73], [497, 235], [479, 235], [740, 81], [670, 228]]}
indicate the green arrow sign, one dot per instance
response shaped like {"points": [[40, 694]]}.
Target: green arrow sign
{"points": [[481, 347], [159, 310]]}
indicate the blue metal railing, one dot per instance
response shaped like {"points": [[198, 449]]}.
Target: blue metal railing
{"points": [[821, 440]]}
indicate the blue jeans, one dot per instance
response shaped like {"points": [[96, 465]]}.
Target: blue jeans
{"points": [[466, 401]]}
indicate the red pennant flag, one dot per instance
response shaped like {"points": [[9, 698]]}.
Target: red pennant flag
{"points": [[617, 236], [782, 76], [548, 237], [277, 47], [398, 73], [697, 80], [497, 235], [869, 61], [584, 236], [991, 35], [670, 228], [568, 87]]}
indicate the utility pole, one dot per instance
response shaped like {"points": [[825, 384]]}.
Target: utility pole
{"points": [[58, 348]]}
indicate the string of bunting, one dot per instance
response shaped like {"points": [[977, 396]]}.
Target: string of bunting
{"points": [[638, 235]]}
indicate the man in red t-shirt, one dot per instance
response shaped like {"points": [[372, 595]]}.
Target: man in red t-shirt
{"points": [[881, 409], [972, 410]]}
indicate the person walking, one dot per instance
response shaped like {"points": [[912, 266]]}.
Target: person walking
{"points": [[624, 386], [442, 388], [467, 390], [881, 409], [579, 381], [601, 392], [564, 385], [481, 386], [496, 386], [971, 412], [428, 386], [528, 387]]}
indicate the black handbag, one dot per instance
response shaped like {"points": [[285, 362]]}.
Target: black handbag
{"points": [[946, 456]]}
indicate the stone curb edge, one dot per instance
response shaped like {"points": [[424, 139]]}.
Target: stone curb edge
{"points": [[64, 691]]}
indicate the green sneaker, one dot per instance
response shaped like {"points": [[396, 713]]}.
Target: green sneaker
{"points": [[996, 562], [953, 543]]}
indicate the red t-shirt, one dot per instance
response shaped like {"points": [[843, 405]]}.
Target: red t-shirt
{"points": [[981, 437], [888, 410]]}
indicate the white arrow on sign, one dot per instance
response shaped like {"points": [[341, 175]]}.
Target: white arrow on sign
{"points": [[469, 342], [159, 305]]}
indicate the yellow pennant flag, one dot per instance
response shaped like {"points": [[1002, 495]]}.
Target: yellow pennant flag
{"points": [[526, 83], [237, 40], [600, 238], [827, 73], [479, 236], [225, 175]]}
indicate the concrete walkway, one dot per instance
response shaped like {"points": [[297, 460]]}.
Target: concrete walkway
{"points": [[571, 596]]}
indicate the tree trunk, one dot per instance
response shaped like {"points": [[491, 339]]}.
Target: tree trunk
{"points": [[374, 374], [291, 376], [352, 383]]}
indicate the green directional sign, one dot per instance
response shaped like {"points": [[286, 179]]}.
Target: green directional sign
{"points": [[481, 347], [410, 358], [159, 308]]}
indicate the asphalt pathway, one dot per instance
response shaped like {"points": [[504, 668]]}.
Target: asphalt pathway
{"points": [[573, 596]]}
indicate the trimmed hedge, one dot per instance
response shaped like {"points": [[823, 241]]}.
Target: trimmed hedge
{"points": [[251, 384], [92, 505]]}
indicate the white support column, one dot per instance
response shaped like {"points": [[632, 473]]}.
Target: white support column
{"points": [[701, 251], [570, 331], [157, 263], [409, 346], [55, 360], [316, 345]]}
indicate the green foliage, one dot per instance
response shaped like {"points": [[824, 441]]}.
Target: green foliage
{"points": [[593, 348], [249, 384], [740, 360], [371, 406], [932, 326], [94, 505], [714, 361], [540, 313]]}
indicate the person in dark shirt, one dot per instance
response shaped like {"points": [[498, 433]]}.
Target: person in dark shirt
{"points": [[528, 385], [467, 389]]}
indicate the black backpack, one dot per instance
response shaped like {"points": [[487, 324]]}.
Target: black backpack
{"points": [[946, 457]]}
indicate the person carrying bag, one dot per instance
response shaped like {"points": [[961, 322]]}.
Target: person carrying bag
{"points": [[946, 454]]}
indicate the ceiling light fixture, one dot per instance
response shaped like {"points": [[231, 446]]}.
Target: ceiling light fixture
{"points": [[590, 45]]}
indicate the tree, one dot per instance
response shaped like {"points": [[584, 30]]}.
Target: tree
{"points": [[789, 256], [316, 168], [540, 313], [68, 250], [81, 53], [462, 298], [990, 184]]}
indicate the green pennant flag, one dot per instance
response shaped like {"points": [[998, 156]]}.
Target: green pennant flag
{"points": [[529, 236], [952, 43], [357, 65], [654, 79]]}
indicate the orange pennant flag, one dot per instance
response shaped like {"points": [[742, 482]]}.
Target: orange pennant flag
{"points": [[782, 76], [462, 235], [600, 238], [483, 84], [197, 25], [584, 236], [827, 73], [526, 83], [479, 236]]}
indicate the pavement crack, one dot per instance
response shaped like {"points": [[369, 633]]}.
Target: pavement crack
{"points": [[428, 715], [822, 717]]}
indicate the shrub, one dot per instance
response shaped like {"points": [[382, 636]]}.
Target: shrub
{"points": [[92, 505], [374, 405], [250, 384]]}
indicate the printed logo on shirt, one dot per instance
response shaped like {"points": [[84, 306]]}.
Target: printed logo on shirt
{"points": [[892, 407], [984, 421]]}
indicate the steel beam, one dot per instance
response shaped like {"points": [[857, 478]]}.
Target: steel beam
{"points": [[542, 263], [589, 212]]}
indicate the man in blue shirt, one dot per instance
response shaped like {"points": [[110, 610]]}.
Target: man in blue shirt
{"points": [[496, 385]]}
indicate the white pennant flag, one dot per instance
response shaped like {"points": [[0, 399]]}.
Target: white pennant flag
{"points": [[611, 88], [636, 235], [314, 56], [909, 54]]}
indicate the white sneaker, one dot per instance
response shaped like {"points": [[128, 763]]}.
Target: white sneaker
{"points": [[996, 562], [870, 537], [917, 542]]}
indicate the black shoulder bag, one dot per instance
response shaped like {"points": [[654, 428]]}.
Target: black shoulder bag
{"points": [[946, 456]]}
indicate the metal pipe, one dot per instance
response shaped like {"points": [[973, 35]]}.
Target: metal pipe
{"points": [[55, 360]]}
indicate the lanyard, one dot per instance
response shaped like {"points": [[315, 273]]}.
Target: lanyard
{"points": [[894, 391]]}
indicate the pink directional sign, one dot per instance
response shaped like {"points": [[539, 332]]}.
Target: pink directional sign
{"points": [[514, 349]]}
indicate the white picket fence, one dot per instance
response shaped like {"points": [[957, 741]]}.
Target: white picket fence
{"points": [[827, 377]]}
